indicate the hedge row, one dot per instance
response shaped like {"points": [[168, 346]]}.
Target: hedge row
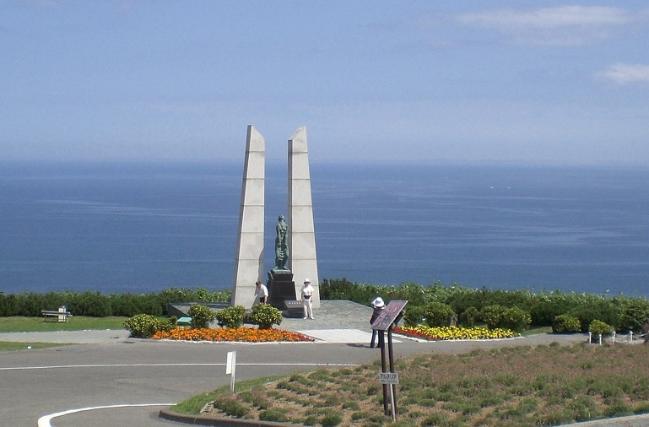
{"points": [[99, 305], [621, 312]]}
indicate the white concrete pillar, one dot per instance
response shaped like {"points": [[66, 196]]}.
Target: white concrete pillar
{"points": [[249, 257], [302, 249]]}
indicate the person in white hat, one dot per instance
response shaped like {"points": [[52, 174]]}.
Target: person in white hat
{"points": [[307, 294], [378, 305]]}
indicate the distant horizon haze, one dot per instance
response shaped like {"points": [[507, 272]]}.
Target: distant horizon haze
{"points": [[551, 83]]}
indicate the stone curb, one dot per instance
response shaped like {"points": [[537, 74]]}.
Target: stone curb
{"points": [[207, 420], [628, 421]]}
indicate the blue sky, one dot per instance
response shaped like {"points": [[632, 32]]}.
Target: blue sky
{"points": [[374, 81]]}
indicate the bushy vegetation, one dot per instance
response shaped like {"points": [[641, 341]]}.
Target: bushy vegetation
{"points": [[96, 304], [265, 316], [145, 325], [470, 317], [492, 315], [597, 327], [565, 324], [438, 314], [621, 312], [515, 319], [201, 316], [231, 317]]}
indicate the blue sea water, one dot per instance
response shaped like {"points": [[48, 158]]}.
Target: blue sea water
{"points": [[142, 227]]}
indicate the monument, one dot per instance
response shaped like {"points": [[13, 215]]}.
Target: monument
{"points": [[295, 250], [249, 257], [303, 261], [280, 278]]}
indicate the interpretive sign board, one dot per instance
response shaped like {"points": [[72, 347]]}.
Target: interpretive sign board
{"points": [[388, 377], [389, 314]]}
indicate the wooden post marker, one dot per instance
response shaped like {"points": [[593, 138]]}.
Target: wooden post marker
{"points": [[390, 315]]}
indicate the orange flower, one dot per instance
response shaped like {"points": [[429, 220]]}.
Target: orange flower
{"points": [[232, 334]]}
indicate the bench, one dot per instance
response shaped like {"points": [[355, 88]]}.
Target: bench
{"points": [[56, 315]]}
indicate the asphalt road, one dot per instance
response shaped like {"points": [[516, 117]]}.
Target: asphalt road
{"points": [[35, 383]]}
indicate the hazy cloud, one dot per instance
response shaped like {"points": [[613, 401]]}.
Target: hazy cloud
{"points": [[626, 73], [562, 25]]}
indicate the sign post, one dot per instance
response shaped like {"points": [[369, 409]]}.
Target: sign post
{"points": [[390, 315], [391, 378], [231, 368]]}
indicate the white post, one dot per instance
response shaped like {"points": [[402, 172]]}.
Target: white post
{"points": [[613, 337], [394, 412], [590, 337], [600, 339], [630, 336], [231, 368], [62, 317]]}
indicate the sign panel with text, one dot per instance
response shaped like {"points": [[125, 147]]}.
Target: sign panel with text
{"points": [[389, 314]]}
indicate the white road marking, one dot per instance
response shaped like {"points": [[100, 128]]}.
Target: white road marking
{"points": [[140, 365], [44, 421]]}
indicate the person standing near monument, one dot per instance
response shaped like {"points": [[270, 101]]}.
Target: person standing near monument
{"points": [[378, 305], [307, 293], [261, 292]]}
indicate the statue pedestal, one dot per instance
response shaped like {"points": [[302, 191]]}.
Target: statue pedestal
{"points": [[280, 288]]}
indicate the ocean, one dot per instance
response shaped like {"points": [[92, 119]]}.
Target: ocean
{"points": [[115, 227]]}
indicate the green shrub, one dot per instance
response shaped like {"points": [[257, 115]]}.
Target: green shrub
{"points": [[515, 319], [145, 325], [231, 317], [438, 314], [413, 315], [492, 315], [597, 327], [99, 305], [331, 420], [311, 420], [470, 316], [201, 316], [231, 407], [635, 314], [565, 324], [274, 414], [90, 304], [265, 316], [548, 307], [604, 310]]}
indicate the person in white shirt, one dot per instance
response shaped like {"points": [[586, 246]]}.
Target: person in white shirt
{"points": [[261, 292], [307, 293]]}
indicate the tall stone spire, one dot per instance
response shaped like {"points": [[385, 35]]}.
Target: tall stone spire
{"points": [[249, 257], [303, 260]]}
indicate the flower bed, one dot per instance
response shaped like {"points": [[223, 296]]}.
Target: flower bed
{"points": [[231, 334], [453, 333]]}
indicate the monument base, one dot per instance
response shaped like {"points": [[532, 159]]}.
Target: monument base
{"points": [[280, 288]]}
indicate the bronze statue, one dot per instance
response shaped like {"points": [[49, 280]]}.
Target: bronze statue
{"points": [[281, 247]]}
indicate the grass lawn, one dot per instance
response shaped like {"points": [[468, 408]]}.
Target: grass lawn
{"points": [[76, 323], [509, 387], [12, 346]]}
